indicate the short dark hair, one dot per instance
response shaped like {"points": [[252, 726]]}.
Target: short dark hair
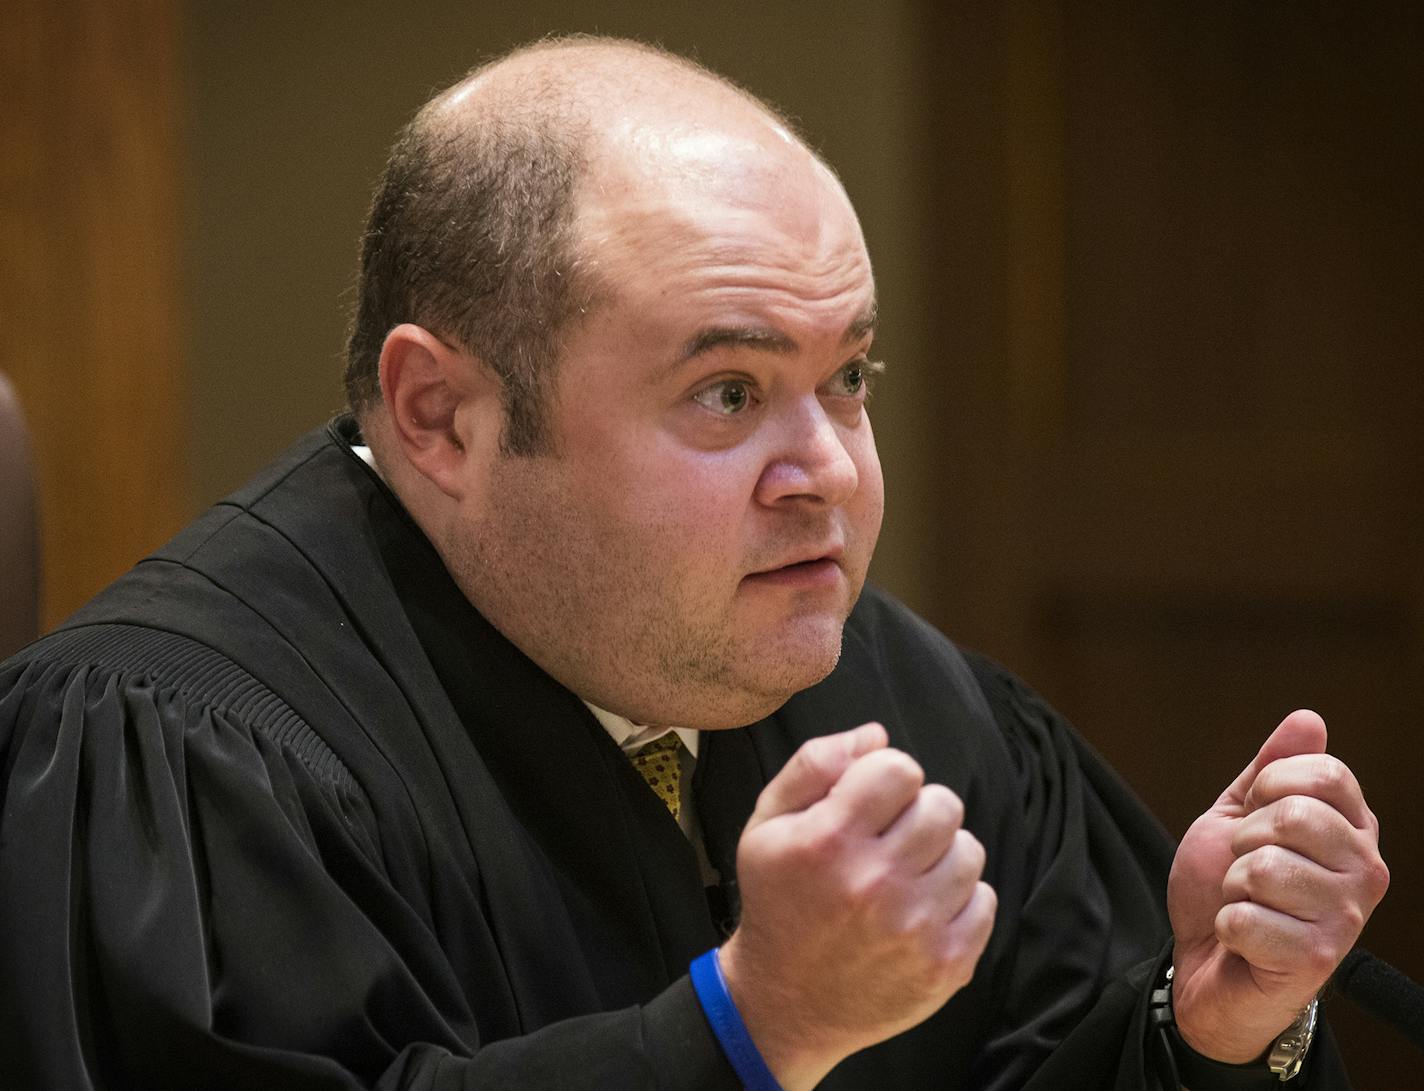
{"points": [[472, 234]]}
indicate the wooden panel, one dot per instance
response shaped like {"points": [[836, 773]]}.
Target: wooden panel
{"points": [[1209, 509], [1237, 489], [1180, 269], [1195, 676], [89, 314]]}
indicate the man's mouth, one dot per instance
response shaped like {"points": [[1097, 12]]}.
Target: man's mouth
{"points": [[810, 572]]}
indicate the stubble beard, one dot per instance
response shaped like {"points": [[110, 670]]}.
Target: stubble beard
{"points": [[735, 686], [624, 636]]}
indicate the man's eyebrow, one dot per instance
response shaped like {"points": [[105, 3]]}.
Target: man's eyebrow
{"points": [[765, 338], [863, 323]]}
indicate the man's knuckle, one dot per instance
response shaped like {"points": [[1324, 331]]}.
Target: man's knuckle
{"points": [[1330, 775], [1377, 875], [822, 845], [903, 768], [911, 927], [943, 807], [1258, 866], [818, 757], [1262, 787], [957, 956], [974, 854], [947, 958], [867, 889], [991, 898], [1292, 816], [1231, 921], [1243, 839]]}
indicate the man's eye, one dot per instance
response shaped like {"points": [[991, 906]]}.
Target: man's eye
{"points": [[853, 379], [728, 397]]}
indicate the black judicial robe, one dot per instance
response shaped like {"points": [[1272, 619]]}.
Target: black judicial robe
{"points": [[280, 809]]}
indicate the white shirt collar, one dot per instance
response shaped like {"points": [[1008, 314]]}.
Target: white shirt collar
{"points": [[630, 736]]}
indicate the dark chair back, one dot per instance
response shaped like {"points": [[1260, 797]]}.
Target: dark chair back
{"points": [[19, 529]]}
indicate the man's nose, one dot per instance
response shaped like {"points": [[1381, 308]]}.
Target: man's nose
{"points": [[812, 462]]}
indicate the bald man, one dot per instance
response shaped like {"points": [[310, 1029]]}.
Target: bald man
{"points": [[531, 725]]}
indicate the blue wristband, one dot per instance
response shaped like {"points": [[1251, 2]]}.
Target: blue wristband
{"points": [[732, 1035]]}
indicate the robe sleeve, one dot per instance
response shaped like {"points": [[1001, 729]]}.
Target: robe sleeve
{"points": [[1094, 937], [188, 901]]}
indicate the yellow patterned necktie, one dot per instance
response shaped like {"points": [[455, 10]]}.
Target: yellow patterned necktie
{"points": [[658, 764]]}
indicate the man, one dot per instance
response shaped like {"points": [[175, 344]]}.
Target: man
{"points": [[333, 791]]}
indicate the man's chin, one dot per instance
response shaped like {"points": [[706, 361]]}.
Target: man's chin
{"points": [[753, 675], [783, 668]]}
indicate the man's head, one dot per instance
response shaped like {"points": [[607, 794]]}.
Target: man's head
{"points": [[678, 521], [470, 230]]}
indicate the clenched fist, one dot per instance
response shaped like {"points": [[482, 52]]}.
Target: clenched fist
{"points": [[862, 907], [1269, 891]]}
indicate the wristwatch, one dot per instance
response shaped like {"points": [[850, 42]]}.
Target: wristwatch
{"points": [[1288, 1054], [1185, 1065]]}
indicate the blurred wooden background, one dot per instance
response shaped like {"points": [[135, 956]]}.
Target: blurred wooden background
{"points": [[1151, 286]]}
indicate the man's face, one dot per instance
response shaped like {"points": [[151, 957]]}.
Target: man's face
{"points": [[690, 550]]}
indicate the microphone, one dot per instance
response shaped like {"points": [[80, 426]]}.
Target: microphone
{"points": [[1384, 992]]}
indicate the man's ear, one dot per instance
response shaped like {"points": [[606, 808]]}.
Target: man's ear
{"points": [[442, 403]]}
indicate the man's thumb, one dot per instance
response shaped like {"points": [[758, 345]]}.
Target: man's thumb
{"points": [[814, 769], [1302, 732]]}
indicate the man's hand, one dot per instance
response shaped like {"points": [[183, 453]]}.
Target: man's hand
{"points": [[862, 909], [1269, 891]]}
